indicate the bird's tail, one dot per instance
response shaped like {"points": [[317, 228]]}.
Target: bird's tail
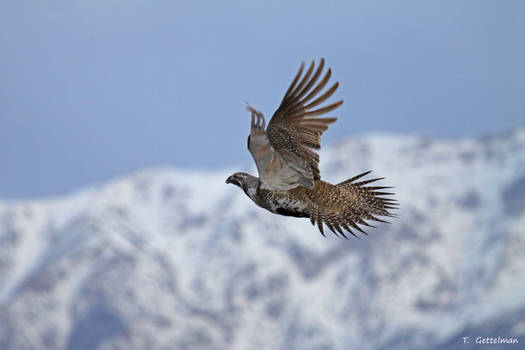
{"points": [[350, 204]]}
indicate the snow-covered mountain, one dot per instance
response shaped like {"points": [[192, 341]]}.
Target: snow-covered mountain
{"points": [[172, 259]]}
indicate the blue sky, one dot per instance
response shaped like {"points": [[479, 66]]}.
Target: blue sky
{"points": [[90, 90]]}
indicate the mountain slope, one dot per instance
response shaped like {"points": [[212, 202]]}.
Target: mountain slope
{"points": [[170, 259]]}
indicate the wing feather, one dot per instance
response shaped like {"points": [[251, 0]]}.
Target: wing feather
{"points": [[294, 127], [285, 153], [277, 170]]}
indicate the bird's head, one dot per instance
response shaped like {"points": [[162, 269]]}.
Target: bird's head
{"points": [[238, 179], [245, 181]]}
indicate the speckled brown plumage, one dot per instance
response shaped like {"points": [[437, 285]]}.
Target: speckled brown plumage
{"points": [[294, 133], [345, 206], [286, 156], [294, 126]]}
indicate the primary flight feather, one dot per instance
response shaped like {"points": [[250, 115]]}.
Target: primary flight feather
{"points": [[285, 153]]}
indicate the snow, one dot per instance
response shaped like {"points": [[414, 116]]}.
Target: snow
{"points": [[176, 258]]}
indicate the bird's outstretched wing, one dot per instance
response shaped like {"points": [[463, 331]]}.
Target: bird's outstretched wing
{"points": [[286, 152]]}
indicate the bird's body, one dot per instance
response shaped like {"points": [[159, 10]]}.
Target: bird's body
{"points": [[295, 202], [341, 207], [285, 154]]}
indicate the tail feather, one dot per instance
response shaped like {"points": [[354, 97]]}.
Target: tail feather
{"points": [[349, 205]]}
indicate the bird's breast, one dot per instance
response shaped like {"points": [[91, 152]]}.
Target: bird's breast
{"points": [[283, 203]]}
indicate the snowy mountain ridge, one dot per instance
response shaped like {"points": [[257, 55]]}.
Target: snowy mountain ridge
{"points": [[177, 259]]}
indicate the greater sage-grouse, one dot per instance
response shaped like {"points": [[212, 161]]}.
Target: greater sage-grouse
{"points": [[289, 181]]}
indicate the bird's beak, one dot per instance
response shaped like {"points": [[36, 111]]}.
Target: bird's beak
{"points": [[229, 180]]}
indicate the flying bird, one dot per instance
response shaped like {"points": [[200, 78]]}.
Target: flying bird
{"points": [[285, 153]]}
